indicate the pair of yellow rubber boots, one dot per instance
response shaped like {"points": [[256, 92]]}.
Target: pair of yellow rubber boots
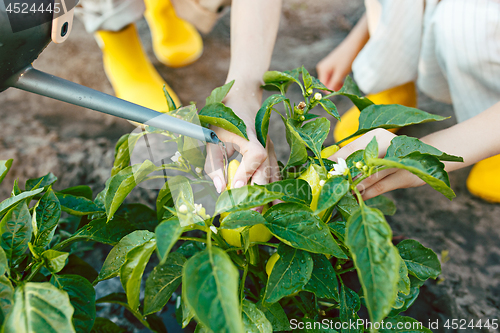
{"points": [[483, 180], [176, 43]]}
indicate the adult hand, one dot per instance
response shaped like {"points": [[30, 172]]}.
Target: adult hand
{"points": [[258, 163], [385, 180]]}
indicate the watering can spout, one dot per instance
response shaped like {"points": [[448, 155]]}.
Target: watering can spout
{"points": [[44, 84]]}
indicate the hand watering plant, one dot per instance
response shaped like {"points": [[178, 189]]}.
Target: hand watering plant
{"points": [[234, 269]]}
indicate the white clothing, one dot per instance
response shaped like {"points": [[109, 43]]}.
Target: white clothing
{"points": [[451, 48]]}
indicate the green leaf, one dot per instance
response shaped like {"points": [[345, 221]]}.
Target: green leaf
{"points": [[298, 152], [167, 233], [78, 191], [264, 115], [306, 78], [217, 114], [296, 226], [334, 189], [405, 322], [41, 182], [82, 297], [293, 190], [323, 282], [4, 263], [318, 85], [330, 108], [211, 289], [16, 190], [123, 149], [121, 184], [357, 156], [162, 282], [382, 203], [314, 133], [163, 200], [140, 216], [76, 266], [45, 218], [290, 274], [351, 91], [369, 239], [132, 270], [349, 306], [244, 218], [280, 80], [218, 94], [8, 203], [54, 260], [426, 167], [170, 102], [15, 229], [40, 307], [5, 166], [76, 205], [404, 281], [117, 255], [276, 316], [422, 262], [6, 297], [347, 205], [392, 116], [402, 146], [190, 248], [245, 197], [99, 230], [407, 301], [371, 150], [254, 320], [104, 325]]}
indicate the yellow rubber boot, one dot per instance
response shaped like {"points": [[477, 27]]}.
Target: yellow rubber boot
{"points": [[130, 72], [405, 94], [176, 42], [484, 179]]}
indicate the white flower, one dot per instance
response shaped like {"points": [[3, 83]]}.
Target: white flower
{"points": [[322, 183], [339, 169], [214, 229], [183, 209], [318, 96], [176, 157], [197, 208], [198, 170]]}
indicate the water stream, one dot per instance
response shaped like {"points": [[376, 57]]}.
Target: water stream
{"points": [[223, 149]]}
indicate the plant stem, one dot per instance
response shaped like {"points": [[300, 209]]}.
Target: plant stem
{"points": [[195, 239], [266, 244], [301, 308], [242, 282], [34, 271], [346, 270]]}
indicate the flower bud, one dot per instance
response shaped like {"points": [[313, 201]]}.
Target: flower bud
{"points": [[301, 105], [198, 170], [318, 96], [183, 209], [309, 91], [359, 164], [365, 168], [302, 118]]}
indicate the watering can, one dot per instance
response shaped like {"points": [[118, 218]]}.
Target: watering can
{"points": [[19, 49]]}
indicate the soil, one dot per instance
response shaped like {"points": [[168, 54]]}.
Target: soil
{"points": [[77, 145]]}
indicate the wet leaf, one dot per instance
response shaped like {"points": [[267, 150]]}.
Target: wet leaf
{"points": [[290, 273], [8, 203], [279, 80], [78, 191], [276, 316], [244, 218], [15, 229], [163, 200], [54, 260], [123, 150], [297, 226], [211, 290], [41, 182], [371, 150], [217, 114], [132, 270], [369, 239], [45, 218], [347, 205], [422, 262], [104, 325], [76, 205], [331, 193], [117, 255], [82, 297], [404, 281], [76, 266], [293, 190], [323, 282], [407, 301], [314, 133], [245, 197], [40, 307], [298, 152], [264, 115], [162, 282], [254, 320], [167, 233], [416, 326], [382, 203], [349, 306]]}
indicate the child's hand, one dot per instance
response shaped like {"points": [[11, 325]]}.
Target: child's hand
{"points": [[333, 69], [383, 181]]}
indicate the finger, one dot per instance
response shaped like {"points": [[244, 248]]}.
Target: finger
{"points": [[336, 81], [253, 156], [262, 174], [368, 182], [214, 166], [324, 73], [398, 179]]}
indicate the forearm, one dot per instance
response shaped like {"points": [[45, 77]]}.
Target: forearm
{"points": [[474, 139], [254, 26], [358, 37]]}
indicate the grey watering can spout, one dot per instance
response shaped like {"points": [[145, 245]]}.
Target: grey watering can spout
{"points": [[19, 49]]}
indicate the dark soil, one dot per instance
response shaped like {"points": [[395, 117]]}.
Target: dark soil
{"points": [[77, 145]]}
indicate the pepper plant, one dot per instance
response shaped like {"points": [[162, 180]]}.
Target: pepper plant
{"points": [[331, 254]]}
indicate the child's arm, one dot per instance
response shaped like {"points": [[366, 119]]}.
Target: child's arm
{"points": [[474, 140], [333, 69], [254, 26]]}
